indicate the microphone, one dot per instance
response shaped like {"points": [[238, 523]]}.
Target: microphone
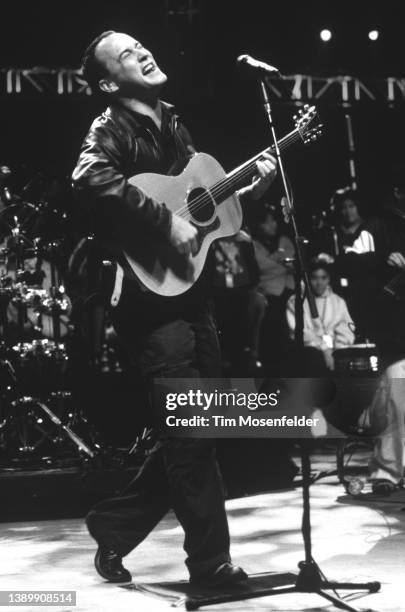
{"points": [[259, 67]]}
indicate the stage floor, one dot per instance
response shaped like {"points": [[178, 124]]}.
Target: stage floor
{"points": [[354, 539]]}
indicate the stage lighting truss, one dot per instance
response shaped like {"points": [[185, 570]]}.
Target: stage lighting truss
{"points": [[344, 90], [295, 88], [42, 81]]}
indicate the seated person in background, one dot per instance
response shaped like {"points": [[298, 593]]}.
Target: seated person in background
{"points": [[344, 226], [333, 329], [276, 280]]}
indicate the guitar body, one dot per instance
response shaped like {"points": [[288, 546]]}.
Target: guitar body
{"points": [[159, 267], [206, 196]]}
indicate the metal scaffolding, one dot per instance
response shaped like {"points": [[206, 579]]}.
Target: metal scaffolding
{"points": [[42, 81], [345, 90]]}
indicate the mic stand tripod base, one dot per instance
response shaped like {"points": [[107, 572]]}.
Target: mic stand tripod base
{"points": [[309, 579]]}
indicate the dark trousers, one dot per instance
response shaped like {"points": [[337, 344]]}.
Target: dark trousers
{"points": [[181, 474]]}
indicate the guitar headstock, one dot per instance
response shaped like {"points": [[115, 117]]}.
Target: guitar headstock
{"points": [[308, 124]]}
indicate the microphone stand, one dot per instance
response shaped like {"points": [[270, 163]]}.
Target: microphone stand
{"points": [[310, 578], [301, 275]]}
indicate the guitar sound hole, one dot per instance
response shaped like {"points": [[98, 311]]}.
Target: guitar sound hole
{"points": [[200, 205]]}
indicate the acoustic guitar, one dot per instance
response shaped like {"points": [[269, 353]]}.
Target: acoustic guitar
{"points": [[203, 194]]}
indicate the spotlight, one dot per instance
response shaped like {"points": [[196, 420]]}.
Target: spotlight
{"points": [[325, 35], [374, 35]]}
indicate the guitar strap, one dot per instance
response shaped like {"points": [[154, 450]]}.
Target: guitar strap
{"points": [[116, 294]]}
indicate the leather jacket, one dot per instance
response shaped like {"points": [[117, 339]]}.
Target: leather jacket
{"points": [[120, 144]]}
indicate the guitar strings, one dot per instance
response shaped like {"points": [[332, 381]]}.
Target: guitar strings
{"points": [[205, 198], [219, 188], [222, 186]]}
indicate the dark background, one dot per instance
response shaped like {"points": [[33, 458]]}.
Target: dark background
{"points": [[221, 107], [43, 132]]}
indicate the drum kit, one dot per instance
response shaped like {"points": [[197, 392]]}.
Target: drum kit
{"points": [[38, 420]]}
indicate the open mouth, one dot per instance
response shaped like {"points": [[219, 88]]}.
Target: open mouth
{"points": [[148, 68]]}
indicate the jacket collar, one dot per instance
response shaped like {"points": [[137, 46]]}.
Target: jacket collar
{"points": [[138, 120]]}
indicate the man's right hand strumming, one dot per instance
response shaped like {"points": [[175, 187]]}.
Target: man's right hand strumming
{"points": [[183, 236]]}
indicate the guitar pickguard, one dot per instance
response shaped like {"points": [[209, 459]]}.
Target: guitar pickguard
{"points": [[204, 230]]}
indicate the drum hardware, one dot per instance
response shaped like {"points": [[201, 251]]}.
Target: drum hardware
{"points": [[37, 416], [54, 291], [73, 417], [81, 445], [41, 348], [9, 375], [25, 429], [57, 299], [29, 425]]}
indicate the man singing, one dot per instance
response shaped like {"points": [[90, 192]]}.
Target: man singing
{"points": [[165, 337]]}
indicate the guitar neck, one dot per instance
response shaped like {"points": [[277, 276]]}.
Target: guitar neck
{"points": [[238, 177]]}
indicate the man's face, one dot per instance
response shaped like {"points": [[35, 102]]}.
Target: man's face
{"points": [[349, 212], [319, 280], [131, 69]]}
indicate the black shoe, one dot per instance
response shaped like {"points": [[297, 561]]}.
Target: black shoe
{"points": [[109, 565], [383, 487], [225, 574]]}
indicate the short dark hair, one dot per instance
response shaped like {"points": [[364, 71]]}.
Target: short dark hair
{"points": [[343, 194], [340, 196], [92, 69], [317, 263]]}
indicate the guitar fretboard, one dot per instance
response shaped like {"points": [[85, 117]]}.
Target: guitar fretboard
{"points": [[235, 179]]}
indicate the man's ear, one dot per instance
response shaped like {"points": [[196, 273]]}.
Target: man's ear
{"points": [[397, 193], [107, 86]]}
